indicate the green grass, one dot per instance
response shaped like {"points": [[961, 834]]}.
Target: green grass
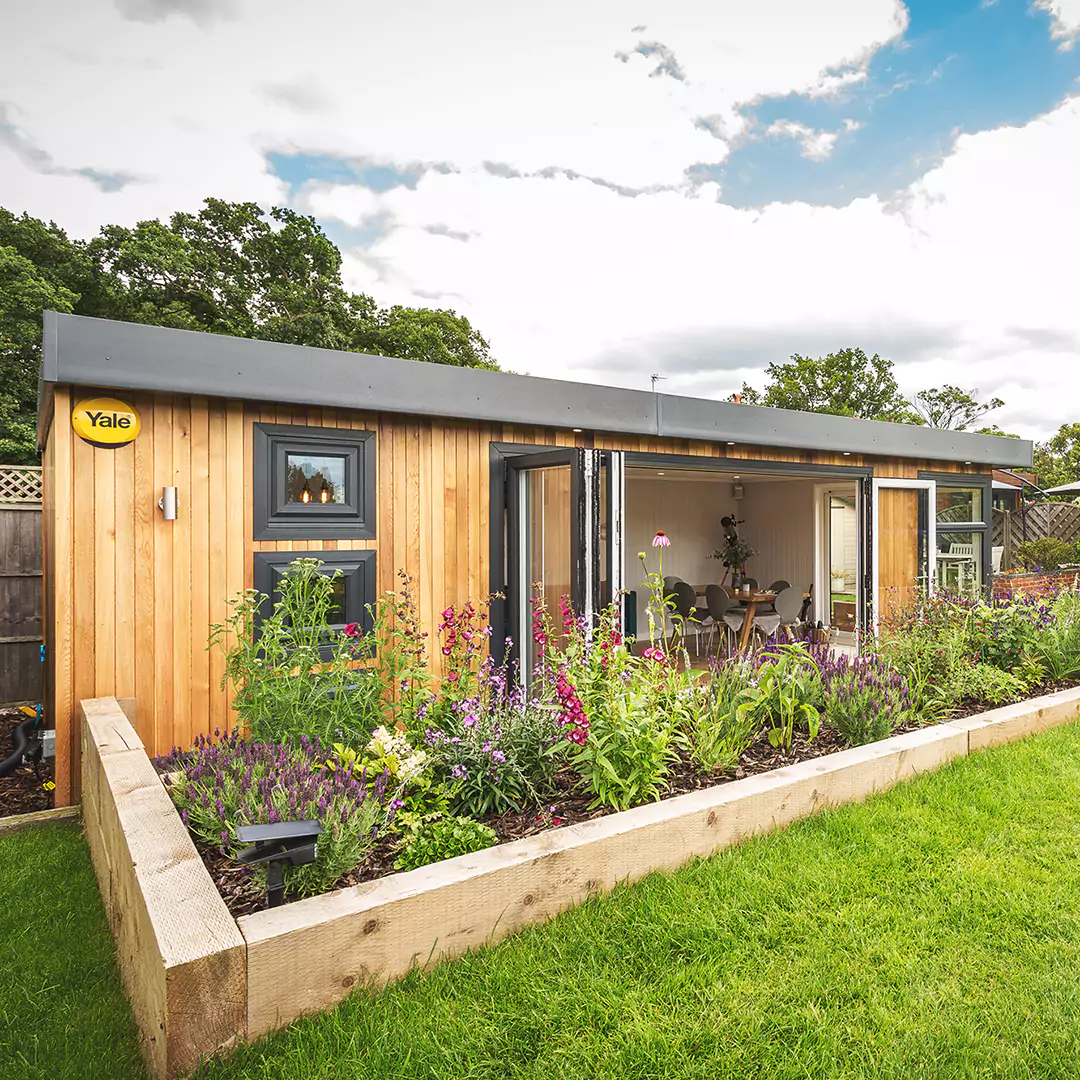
{"points": [[931, 932], [62, 1009]]}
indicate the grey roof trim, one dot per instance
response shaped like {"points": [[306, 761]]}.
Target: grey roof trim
{"points": [[130, 356]]}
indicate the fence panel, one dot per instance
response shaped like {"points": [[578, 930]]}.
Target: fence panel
{"points": [[20, 585], [1035, 522]]}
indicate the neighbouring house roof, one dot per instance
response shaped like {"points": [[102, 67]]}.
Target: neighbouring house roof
{"points": [[1064, 489], [130, 356]]}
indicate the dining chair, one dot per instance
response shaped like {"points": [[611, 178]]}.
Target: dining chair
{"points": [[719, 602], [670, 581], [685, 608], [779, 585], [788, 606]]}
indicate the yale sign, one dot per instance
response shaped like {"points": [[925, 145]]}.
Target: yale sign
{"points": [[105, 422]]}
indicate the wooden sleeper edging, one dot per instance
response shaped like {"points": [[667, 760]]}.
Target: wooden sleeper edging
{"points": [[200, 980]]}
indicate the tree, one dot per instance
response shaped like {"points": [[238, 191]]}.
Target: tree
{"points": [[229, 269], [993, 429], [844, 383], [950, 408], [1057, 461]]}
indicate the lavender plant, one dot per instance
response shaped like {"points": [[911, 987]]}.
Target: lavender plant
{"points": [[226, 784], [864, 698]]}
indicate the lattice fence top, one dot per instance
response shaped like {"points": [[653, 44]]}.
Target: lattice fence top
{"points": [[20, 484]]}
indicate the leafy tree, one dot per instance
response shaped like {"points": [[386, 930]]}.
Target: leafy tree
{"points": [[228, 269], [844, 383], [993, 429], [1057, 461], [951, 408]]}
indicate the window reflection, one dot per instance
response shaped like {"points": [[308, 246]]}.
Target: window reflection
{"points": [[318, 479]]}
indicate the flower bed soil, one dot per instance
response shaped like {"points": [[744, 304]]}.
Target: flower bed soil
{"points": [[567, 805], [22, 791]]}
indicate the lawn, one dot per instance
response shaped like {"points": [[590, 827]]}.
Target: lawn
{"points": [[931, 932], [62, 1010]]}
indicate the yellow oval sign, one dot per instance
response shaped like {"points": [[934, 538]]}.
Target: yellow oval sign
{"points": [[105, 422]]}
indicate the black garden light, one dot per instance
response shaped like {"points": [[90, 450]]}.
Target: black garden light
{"points": [[292, 842]]}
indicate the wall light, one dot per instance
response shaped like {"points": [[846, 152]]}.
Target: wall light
{"points": [[169, 503]]}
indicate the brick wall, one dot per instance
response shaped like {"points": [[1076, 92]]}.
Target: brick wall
{"points": [[1049, 584]]}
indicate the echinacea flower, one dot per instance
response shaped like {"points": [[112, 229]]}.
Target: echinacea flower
{"points": [[661, 539]]}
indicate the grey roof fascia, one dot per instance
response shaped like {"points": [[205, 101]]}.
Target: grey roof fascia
{"points": [[131, 356]]}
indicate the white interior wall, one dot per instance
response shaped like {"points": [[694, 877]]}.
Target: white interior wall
{"points": [[779, 523]]}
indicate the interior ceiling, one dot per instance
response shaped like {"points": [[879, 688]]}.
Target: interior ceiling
{"points": [[643, 472]]}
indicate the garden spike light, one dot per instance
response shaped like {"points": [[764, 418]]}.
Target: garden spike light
{"points": [[292, 842]]}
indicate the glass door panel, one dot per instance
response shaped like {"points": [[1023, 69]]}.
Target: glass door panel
{"points": [[547, 567]]}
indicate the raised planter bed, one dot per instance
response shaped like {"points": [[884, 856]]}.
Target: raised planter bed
{"points": [[200, 980]]}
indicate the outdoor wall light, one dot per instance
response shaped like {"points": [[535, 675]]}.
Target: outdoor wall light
{"points": [[169, 503], [292, 842]]}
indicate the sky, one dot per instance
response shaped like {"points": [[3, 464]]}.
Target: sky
{"points": [[609, 188]]}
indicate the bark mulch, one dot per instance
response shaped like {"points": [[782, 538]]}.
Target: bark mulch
{"points": [[21, 792]]}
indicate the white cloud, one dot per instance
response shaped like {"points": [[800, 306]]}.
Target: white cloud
{"points": [[1066, 19], [816, 145], [968, 276]]}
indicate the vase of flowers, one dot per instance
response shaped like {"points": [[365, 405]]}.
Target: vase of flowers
{"points": [[735, 554]]}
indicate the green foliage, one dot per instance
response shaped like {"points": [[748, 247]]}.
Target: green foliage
{"points": [[985, 682], [1048, 554], [231, 268], [293, 675], [717, 731], [435, 839], [845, 383], [864, 698], [629, 750], [1056, 646], [787, 686], [1057, 461], [496, 756], [1001, 633], [951, 408]]}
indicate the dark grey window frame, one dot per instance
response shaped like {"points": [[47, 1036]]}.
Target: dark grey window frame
{"points": [[357, 568], [354, 519], [969, 480]]}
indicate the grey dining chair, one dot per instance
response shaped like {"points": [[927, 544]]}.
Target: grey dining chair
{"points": [[725, 611], [686, 609]]}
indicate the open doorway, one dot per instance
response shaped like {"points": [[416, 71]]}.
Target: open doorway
{"points": [[779, 517]]}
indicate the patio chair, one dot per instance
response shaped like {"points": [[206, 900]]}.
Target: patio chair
{"points": [[670, 581]]}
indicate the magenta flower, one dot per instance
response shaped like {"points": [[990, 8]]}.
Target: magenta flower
{"points": [[351, 629], [661, 539]]}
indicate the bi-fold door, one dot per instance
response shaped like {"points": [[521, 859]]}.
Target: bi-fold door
{"points": [[902, 544], [564, 530]]}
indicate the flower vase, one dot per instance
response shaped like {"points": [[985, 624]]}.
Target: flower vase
{"points": [[736, 580]]}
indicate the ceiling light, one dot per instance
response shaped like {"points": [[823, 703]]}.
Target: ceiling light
{"points": [[577, 431], [659, 474], [847, 453], [731, 444]]}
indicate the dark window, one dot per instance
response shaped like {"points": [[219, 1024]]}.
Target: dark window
{"points": [[354, 587], [314, 483]]}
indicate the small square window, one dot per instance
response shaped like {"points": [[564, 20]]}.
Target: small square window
{"points": [[354, 587], [314, 483], [314, 478]]}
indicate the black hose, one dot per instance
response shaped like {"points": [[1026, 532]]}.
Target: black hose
{"points": [[21, 740]]}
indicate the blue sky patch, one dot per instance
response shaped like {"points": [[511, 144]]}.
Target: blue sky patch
{"points": [[298, 168], [962, 66]]}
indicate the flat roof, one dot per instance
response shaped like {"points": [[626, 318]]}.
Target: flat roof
{"points": [[130, 356]]}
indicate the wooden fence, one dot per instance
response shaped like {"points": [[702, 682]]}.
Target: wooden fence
{"points": [[20, 585], [1035, 522]]}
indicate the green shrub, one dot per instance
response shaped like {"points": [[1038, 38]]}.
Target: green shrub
{"points": [[785, 690], [1047, 554], [717, 732], [1002, 632], [865, 697], [1056, 647], [433, 840], [984, 682]]}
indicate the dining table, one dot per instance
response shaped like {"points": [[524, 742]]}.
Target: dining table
{"points": [[749, 602]]}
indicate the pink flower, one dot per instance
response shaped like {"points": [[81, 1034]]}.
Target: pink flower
{"points": [[351, 629], [661, 539], [654, 654]]}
